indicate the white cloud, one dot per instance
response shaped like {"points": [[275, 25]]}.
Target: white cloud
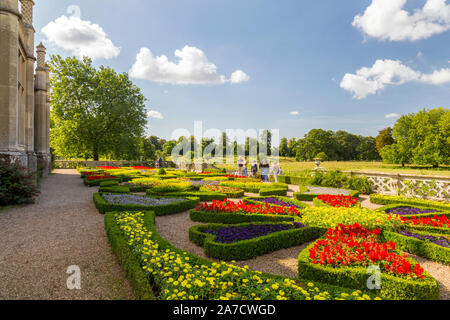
{"points": [[371, 80], [387, 20], [193, 67], [80, 37], [392, 115], [155, 115], [295, 113], [239, 76]]}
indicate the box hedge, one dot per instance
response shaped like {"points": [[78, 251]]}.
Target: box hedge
{"points": [[203, 196], [116, 189], [235, 218], [392, 287], [142, 287], [109, 183], [385, 199], [424, 249], [319, 203], [167, 209], [422, 215], [272, 192], [252, 248], [96, 183]]}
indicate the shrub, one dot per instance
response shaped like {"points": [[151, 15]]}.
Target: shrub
{"points": [[162, 172], [272, 192], [230, 192], [275, 201], [252, 248], [114, 189], [109, 183], [17, 186], [234, 218], [419, 247], [384, 199], [360, 183], [203, 196], [303, 196]]}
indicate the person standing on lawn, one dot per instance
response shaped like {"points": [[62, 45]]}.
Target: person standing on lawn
{"points": [[275, 171], [254, 169], [240, 164], [245, 171]]}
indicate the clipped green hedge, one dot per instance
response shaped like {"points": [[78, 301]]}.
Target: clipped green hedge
{"points": [[292, 180], [203, 196], [235, 218], [96, 183], [143, 289], [103, 207], [423, 215], [302, 196], [418, 247], [392, 287], [425, 228], [109, 183], [285, 199], [252, 248], [116, 189], [272, 192], [320, 203], [384, 200], [143, 286], [254, 187]]}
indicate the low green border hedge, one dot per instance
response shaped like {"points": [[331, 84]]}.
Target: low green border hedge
{"points": [[103, 207], [426, 228], [203, 196], [107, 184], [385, 199], [143, 289], [285, 199], [96, 183], [419, 247], [302, 196], [423, 215], [252, 248], [234, 218], [320, 203], [392, 287], [231, 195], [272, 192], [116, 189]]}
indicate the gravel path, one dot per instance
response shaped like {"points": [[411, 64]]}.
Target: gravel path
{"points": [[63, 228]]}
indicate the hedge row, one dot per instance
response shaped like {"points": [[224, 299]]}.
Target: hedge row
{"points": [[96, 183], [235, 218], [253, 200], [418, 247], [109, 184], [143, 289], [272, 192], [254, 187], [103, 206], [423, 215], [384, 199], [116, 189], [252, 248], [203, 196], [392, 287]]}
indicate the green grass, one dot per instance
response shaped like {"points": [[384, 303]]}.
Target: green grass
{"points": [[292, 167]]}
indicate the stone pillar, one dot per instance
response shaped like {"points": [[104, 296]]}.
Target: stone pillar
{"points": [[42, 112], [9, 105], [28, 42]]}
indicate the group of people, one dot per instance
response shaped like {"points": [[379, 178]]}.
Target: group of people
{"points": [[265, 168]]}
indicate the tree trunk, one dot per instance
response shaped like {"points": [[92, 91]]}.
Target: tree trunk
{"points": [[436, 166], [403, 165], [95, 154]]}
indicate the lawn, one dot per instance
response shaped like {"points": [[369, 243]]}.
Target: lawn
{"points": [[292, 167]]}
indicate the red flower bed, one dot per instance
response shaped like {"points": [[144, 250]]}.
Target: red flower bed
{"points": [[205, 173], [220, 189], [236, 177], [243, 207], [435, 221], [92, 178], [356, 246], [338, 200], [143, 168], [108, 168]]}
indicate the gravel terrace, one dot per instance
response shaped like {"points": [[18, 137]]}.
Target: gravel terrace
{"points": [[63, 228]]}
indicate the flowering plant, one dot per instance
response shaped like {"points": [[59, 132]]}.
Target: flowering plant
{"points": [[338, 200], [108, 167], [410, 211], [220, 189], [243, 207], [438, 240], [100, 177], [355, 245], [435, 221]]}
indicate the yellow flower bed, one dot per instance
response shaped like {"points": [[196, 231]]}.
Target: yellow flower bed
{"points": [[179, 278], [330, 217]]}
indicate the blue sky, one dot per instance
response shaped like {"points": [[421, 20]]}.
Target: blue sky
{"points": [[295, 56]]}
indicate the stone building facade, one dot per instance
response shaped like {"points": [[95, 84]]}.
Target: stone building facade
{"points": [[24, 89]]}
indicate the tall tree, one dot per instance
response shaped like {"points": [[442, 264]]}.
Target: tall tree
{"points": [[283, 149], [292, 147], [316, 141], [384, 138], [94, 111]]}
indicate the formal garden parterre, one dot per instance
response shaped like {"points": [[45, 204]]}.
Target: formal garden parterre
{"points": [[342, 239]]}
